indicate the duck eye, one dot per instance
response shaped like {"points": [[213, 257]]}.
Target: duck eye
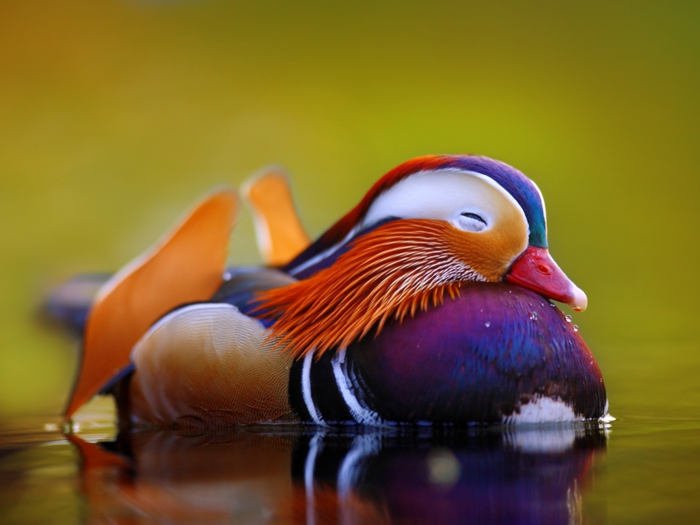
{"points": [[471, 222], [474, 216]]}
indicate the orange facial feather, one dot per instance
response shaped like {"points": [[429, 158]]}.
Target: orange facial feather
{"points": [[398, 269]]}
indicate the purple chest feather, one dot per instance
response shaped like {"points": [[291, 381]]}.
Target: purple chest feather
{"points": [[498, 353]]}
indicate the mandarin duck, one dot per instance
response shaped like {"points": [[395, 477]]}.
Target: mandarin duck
{"points": [[430, 302]]}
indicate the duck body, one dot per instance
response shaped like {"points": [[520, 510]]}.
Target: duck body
{"points": [[428, 303], [502, 353], [498, 353]]}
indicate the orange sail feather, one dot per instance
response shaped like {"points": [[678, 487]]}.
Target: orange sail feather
{"points": [[186, 266], [280, 233]]}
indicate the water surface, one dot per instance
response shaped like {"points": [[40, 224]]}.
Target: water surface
{"points": [[635, 471]]}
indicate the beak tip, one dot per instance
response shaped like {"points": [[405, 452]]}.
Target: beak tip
{"points": [[579, 301]]}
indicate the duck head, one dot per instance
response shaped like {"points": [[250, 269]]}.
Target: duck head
{"points": [[422, 230]]}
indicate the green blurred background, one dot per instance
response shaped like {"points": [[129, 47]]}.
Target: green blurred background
{"points": [[116, 115]]}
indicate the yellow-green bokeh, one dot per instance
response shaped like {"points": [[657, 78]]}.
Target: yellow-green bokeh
{"points": [[116, 115]]}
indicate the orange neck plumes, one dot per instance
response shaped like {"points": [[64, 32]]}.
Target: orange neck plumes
{"points": [[399, 268]]}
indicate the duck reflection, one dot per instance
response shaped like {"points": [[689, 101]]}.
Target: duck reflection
{"points": [[294, 475]]}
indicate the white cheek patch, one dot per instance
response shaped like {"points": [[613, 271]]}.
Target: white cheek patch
{"points": [[445, 195]]}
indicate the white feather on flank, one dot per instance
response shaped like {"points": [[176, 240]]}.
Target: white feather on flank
{"points": [[361, 414], [306, 389]]}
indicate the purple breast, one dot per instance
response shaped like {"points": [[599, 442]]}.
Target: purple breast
{"points": [[479, 358]]}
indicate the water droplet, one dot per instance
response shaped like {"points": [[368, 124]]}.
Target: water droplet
{"points": [[568, 318], [533, 316], [487, 324], [552, 305], [575, 328]]}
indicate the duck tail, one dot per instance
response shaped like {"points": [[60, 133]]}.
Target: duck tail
{"points": [[186, 266], [279, 231]]}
